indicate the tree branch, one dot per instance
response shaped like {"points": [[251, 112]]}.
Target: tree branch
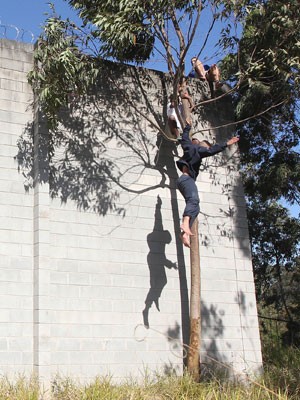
{"points": [[242, 120]]}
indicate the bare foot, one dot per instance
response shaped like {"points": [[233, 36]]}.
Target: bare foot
{"points": [[185, 239], [186, 229]]}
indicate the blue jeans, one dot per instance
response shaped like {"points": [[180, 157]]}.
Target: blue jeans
{"points": [[187, 187]]}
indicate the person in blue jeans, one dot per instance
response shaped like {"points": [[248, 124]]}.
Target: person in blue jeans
{"points": [[194, 151]]}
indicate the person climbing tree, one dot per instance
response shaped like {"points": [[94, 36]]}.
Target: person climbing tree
{"points": [[213, 76], [173, 120], [198, 68], [189, 164]]}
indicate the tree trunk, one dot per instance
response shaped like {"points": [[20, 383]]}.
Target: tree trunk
{"points": [[193, 358], [185, 103], [193, 362]]}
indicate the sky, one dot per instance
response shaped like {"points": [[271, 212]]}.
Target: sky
{"points": [[22, 20], [28, 16]]}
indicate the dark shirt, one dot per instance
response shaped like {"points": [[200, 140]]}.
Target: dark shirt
{"points": [[192, 74], [193, 153]]}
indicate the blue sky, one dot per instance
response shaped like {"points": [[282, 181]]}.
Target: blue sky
{"points": [[22, 20], [28, 16]]}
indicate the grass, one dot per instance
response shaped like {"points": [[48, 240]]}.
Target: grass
{"points": [[280, 381], [167, 388], [282, 369], [21, 389]]}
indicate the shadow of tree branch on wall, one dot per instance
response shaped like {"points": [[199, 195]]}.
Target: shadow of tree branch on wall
{"points": [[104, 148], [212, 325], [228, 219], [213, 361], [177, 348], [84, 169], [25, 156], [212, 328]]}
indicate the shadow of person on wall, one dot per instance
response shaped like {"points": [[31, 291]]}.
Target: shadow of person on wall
{"points": [[157, 261]]}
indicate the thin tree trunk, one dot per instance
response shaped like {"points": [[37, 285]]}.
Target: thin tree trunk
{"points": [[193, 363], [185, 103], [193, 358]]}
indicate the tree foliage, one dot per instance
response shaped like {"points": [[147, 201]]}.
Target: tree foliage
{"points": [[266, 68], [275, 238], [121, 27], [62, 68], [68, 57], [128, 29]]}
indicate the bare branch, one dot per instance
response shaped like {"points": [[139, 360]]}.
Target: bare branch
{"points": [[217, 98], [241, 121], [207, 36], [163, 38], [188, 45], [139, 112]]}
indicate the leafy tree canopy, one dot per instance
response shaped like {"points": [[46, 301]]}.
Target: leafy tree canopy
{"points": [[275, 238], [262, 65], [266, 69], [68, 57]]}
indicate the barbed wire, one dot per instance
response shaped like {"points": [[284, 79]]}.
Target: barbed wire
{"points": [[12, 32]]}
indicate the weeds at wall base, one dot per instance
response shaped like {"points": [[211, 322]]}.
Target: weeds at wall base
{"points": [[163, 388], [280, 381]]}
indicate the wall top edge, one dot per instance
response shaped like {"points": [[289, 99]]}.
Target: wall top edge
{"points": [[16, 45]]}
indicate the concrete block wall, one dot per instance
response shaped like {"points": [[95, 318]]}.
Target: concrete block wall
{"points": [[104, 257], [16, 214]]}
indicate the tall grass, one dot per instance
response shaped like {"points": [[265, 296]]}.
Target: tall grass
{"points": [[279, 382], [282, 369], [167, 388], [20, 389]]}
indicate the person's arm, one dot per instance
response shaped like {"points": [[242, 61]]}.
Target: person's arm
{"points": [[185, 138], [211, 151], [216, 148], [186, 132]]}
